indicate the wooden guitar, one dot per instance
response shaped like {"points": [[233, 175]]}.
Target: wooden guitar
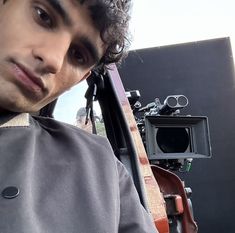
{"points": [[155, 198]]}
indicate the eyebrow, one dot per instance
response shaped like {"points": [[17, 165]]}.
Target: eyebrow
{"points": [[57, 6]]}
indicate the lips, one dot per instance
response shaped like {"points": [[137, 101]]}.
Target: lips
{"points": [[27, 78]]}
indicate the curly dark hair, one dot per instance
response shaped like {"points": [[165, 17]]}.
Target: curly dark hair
{"points": [[112, 17]]}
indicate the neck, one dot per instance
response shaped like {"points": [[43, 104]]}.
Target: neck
{"points": [[6, 112]]}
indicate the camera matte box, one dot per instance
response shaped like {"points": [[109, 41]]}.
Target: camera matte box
{"points": [[189, 138]]}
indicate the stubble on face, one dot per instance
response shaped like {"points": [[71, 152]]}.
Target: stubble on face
{"points": [[19, 43]]}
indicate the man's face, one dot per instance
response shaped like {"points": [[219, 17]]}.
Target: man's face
{"points": [[46, 47]]}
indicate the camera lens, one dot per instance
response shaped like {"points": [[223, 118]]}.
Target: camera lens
{"points": [[182, 100], [172, 140], [171, 101]]}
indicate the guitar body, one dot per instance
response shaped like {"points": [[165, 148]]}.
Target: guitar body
{"points": [[155, 198], [159, 185]]}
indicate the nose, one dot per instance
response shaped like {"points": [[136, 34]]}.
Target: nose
{"points": [[50, 54]]}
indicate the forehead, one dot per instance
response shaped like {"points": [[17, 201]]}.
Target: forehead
{"points": [[70, 8]]}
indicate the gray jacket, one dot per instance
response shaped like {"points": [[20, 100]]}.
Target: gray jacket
{"points": [[68, 181]]}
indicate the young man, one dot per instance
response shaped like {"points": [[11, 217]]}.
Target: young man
{"points": [[55, 177]]}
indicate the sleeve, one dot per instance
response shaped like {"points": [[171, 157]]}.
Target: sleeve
{"points": [[133, 216]]}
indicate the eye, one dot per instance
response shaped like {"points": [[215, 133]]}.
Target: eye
{"points": [[43, 17], [78, 56]]}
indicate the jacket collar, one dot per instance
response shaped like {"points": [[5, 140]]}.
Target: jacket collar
{"points": [[14, 120]]}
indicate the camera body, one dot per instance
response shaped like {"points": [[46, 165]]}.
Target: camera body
{"points": [[171, 139]]}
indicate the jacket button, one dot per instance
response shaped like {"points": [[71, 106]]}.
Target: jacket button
{"points": [[10, 192]]}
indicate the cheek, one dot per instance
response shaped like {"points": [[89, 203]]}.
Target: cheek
{"points": [[13, 35], [66, 80]]}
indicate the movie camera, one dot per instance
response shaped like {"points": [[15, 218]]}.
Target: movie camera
{"points": [[171, 140]]}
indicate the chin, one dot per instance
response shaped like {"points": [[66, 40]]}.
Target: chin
{"points": [[15, 107]]}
